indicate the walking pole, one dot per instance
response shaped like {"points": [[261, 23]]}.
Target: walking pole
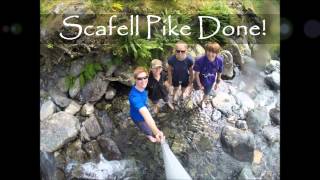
{"points": [[174, 170]]}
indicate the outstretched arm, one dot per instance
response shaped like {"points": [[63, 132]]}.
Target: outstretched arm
{"points": [[149, 120]]}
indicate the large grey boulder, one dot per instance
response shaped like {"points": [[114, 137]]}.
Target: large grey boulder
{"points": [[109, 148], [238, 143], [59, 98], [58, 130], [94, 89], [224, 102], [227, 64], [257, 119], [235, 51]]}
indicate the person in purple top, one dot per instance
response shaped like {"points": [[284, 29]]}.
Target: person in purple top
{"points": [[208, 69]]}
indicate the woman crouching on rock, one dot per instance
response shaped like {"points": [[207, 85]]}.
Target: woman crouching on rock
{"points": [[139, 113]]}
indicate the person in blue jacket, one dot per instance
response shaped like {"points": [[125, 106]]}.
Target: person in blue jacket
{"points": [[139, 112]]}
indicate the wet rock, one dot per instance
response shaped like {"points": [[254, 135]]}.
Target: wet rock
{"points": [[257, 118], [73, 108], [272, 134], [275, 115], [74, 152], [265, 98], [47, 165], [57, 130], [93, 149], [273, 80], [241, 125], [60, 160], [268, 175], [244, 101], [109, 148], [92, 126], [239, 144], [47, 109], [179, 144], [124, 169], [272, 66], [204, 144], [224, 102], [246, 174], [216, 115]]}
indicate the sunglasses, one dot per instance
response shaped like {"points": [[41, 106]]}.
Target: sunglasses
{"points": [[209, 50], [179, 51], [141, 78]]}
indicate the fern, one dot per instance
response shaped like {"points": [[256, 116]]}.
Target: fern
{"points": [[87, 74]]}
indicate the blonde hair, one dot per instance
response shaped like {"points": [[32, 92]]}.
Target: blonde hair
{"points": [[183, 43], [215, 47], [139, 70]]}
